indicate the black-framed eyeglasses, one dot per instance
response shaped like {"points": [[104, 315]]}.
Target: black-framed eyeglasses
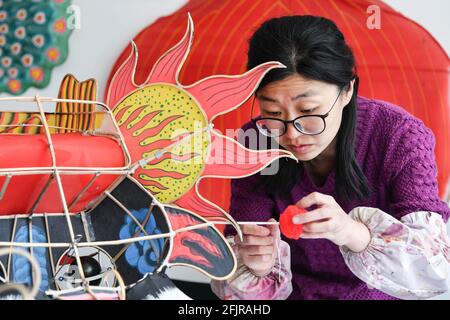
{"points": [[308, 124]]}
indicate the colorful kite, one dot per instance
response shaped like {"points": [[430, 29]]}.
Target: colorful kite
{"points": [[95, 204], [148, 113]]}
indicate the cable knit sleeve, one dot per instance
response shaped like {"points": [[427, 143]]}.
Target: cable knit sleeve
{"points": [[411, 170]]}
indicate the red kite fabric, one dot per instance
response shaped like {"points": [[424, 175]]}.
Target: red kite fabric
{"points": [[400, 62], [72, 150]]}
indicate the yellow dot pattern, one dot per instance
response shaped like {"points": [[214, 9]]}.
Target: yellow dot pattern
{"points": [[160, 112]]}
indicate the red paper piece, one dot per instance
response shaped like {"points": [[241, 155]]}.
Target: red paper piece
{"points": [[288, 228]]}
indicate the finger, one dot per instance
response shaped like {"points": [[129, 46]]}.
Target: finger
{"points": [[255, 240], [318, 227], [256, 250], [320, 235], [253, 229], [274, 228], [315, 198], [311, 216], [258, 262], [237, 239]]}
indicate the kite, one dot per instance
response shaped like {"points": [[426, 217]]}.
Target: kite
{"points": [[97, 200]]}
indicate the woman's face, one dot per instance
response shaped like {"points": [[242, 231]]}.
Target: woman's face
{"points": [[296, 96]]}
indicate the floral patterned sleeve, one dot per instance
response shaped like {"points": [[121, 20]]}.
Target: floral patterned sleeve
{"points": [[244, 285], [407, 259]]}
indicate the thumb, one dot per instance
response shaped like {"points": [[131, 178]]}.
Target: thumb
{"points": [[276, 234], [274, 229]]}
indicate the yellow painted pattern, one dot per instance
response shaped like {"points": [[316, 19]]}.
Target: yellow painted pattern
{"points": [[152, 118]]}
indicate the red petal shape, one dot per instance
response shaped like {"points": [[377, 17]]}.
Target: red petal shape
{"points": [[173, 156], [150, 132], [221, 94], [158, 173], [167, 67], [152, 183], [164, 143], [194, 202], [122, 82], [230, 159]]}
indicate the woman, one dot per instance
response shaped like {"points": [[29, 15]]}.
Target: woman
{"points": [[366, 173]]}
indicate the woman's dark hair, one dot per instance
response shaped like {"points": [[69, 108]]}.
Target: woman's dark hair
{"points": [[314, 48]]}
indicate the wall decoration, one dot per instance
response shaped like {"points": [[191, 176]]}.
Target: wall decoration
{"points": [[33, 40]]}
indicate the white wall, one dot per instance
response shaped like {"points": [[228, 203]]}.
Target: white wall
{"points": [[108, 26], [431, 14]]}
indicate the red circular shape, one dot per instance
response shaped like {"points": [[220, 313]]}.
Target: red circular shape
{"points": [[288, 228]]}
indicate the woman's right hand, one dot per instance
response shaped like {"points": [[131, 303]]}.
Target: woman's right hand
{"points": [[258, 250]]}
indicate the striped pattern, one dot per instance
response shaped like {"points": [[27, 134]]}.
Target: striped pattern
{"points": [[76, 116], [70, 116], [12, 122]]}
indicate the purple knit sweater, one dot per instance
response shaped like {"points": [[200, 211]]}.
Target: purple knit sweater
{"points": [[396, 153]]}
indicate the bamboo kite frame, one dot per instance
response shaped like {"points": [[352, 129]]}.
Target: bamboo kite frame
{"points": [[55, 173]]}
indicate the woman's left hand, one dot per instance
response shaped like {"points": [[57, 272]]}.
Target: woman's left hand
{"points": [[330, 221]]}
